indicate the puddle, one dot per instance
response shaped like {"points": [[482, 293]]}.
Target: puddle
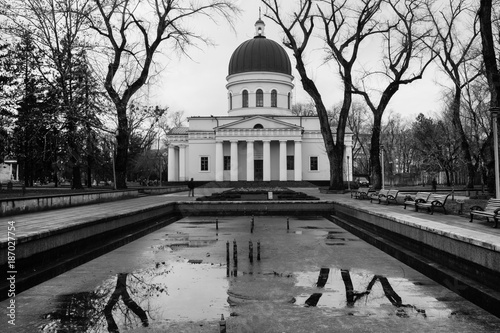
{"points": [[166, 292], [363, 293], [181, 240]]}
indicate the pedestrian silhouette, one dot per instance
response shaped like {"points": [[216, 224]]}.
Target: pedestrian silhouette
{"points": [[191, 188]]}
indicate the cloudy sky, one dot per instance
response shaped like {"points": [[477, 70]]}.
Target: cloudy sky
{"points": [[197, 85]]}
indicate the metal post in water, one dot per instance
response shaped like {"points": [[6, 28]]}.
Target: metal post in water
{"points": [[227, 258], [258, 250], [251, 230], [235, 253], [216, 224], [287, 223], [250, 251]]}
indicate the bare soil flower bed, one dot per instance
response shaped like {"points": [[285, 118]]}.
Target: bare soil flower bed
{"points": [[260, 193]]}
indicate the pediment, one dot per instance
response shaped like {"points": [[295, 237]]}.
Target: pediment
{"points": [[265, 122]]}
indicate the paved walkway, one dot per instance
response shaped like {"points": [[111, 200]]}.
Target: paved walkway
{"points": [[29, 225]]}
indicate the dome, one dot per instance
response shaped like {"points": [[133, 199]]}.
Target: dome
{"points": [[260, 54]]}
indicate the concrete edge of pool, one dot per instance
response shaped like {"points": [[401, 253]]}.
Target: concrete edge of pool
{"points": [[463, 254]]}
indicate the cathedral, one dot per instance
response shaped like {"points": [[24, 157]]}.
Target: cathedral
{"points": [[259, 139]]}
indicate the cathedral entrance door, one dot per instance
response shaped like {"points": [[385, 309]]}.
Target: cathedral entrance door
{"points": [[258, 167]]}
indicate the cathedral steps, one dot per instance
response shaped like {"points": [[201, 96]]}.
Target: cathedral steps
{"points": [[254, 184]]}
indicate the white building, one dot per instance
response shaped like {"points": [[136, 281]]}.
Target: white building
{"points": [[259, 138]]}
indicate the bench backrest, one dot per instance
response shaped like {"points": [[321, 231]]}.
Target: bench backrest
{"points": [[383, 192], [422, 195], [364, 190], [438, 197], [492, 205], [393, 193]]}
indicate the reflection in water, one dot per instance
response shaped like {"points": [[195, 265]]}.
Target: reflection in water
{"points": [[121, 291], [144, 294], [374, 298]]}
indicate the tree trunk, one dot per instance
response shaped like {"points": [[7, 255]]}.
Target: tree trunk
{"points": [[122, 142], [334, 150], [491, 70], [376, 174], [464, 144]]}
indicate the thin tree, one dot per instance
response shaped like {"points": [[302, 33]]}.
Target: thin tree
{"points": [[134, 31]]}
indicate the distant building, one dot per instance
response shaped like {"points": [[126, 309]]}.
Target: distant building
{"points": [[259, 138], [9, 170]]}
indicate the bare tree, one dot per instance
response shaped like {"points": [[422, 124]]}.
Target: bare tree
{"points": [[344, 29], [135, 31], [404, 62], [456, 32]]}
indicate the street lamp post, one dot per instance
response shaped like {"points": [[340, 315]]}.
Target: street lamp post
{"points": [[382, 162], [494, 113], [348, 175], [391, 175], [114, 164]]}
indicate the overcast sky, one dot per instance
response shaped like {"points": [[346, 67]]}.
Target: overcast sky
{"points": [[197, 85]]}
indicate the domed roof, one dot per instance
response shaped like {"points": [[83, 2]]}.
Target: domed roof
{"points": [[260, 54]]}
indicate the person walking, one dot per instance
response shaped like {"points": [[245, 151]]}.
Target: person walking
{"points": [[191, 188], [434, 185]]}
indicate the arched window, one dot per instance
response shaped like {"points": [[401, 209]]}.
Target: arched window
{"points": [[230, 101], [258, 126], [244, 97], [274, 98], [259, 98], [289, 100]]}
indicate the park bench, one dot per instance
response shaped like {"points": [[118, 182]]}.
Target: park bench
{"points": [[377, 195], [492, 210], [391, 196], [434, 201], [362, 193], [419, 197]]}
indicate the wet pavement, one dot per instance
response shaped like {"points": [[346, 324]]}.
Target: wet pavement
{"points": [[310, 277]]}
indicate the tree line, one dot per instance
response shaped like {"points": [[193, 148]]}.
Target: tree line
{"points": [[461, 37], [76, 72], [64, 114]]}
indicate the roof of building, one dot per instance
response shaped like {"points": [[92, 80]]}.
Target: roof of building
{"points": [[178, 130], [260, 54]]}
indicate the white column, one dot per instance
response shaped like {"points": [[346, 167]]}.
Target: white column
{"points": [[219, 162], [182, 162], [250, 161], [234, 160], [10, 171], [298, 160], [282, 160], [171, 164], [267, 160]]}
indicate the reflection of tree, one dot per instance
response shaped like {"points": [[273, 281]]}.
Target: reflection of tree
{"points": [[121, 291], [89, 311], [352, 296]]}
